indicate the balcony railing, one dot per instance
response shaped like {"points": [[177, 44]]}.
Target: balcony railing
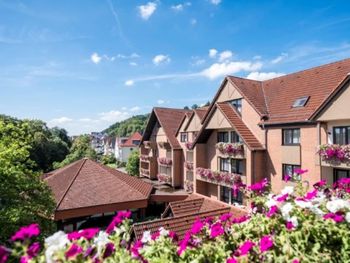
{"points": [[164, 178], [165, 161], [144, 172], [189, 166], [218, 177], [335, 154], [144, 158], [230, 149]]}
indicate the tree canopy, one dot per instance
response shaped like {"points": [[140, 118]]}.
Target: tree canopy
{"points": [[128, 127], [132, 166]]}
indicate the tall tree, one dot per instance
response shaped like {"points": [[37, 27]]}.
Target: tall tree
{"points": [[132, 166]]}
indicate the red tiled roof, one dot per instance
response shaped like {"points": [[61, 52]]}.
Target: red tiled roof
{"points": [[241, 128], [86, 183], [185, 213], [201, 111], [134, 137]]}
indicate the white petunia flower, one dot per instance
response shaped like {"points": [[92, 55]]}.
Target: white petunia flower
{"points": [[337, 204], [294, 221], [271, 202], [163, 232], [101, 241], [347, 217], [54, 243], [303, 204], [317, 211], [287, 190], [286, 209], [146, 237]]}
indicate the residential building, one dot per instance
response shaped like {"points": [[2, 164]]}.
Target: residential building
{"points": [[124, 147], [97, 141], [109, 144]]}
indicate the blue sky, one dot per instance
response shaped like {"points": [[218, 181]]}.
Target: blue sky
{"points": [[83, 65]]}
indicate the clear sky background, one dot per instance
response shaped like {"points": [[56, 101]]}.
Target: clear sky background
{"points": [[83, 65]]}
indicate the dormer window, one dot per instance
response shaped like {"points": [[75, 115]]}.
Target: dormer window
{"points": [[237, 103], [300, 102]]}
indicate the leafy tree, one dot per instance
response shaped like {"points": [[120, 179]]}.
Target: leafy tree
{"points": [[132, 166], [81, 148], [194, 106], [24, 197], [207, 104], [128, 127], [108, 159], [186, 108]]}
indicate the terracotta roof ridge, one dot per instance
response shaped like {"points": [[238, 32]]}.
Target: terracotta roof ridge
{"points": [[231, 76], [71, 183], [166, 108], [308, 69], [265, 98]]}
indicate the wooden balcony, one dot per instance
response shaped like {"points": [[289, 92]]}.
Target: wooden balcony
{"points": [[232, 150]]}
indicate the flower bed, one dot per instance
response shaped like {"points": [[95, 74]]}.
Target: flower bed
{"points": [[144, 157], [219, 177], [294, 226], [334, 153], [189, 166], [164, 178], [189, 145], [230, 149], [165, 161], [189, 186]]}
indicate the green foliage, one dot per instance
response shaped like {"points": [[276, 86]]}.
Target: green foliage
{"points": [[81, 148], [128, 127], [24, 197], [132, 166], [108, 159]]}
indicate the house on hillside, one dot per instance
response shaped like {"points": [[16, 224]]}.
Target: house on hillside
{"points": [[125, 146]]}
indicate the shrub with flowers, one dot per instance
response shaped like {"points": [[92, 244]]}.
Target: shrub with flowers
{"points": [[164, 178], [165, 161], [312, 226], [334, 153], [189, 165], [218, 177], [230, 149]]}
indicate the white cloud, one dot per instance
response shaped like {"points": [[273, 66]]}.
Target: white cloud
{"points": [[134, 64], [180, 7], [113, 115], [147, 10], [264, 75], [279, 58], [161, 59], [215, 2], [60, 120], [95, 58], [85, 120], [136, 108], [225, 55], [257, 57], [227, 68], [193, 21], [132, 55], [197, 61], [212, 52], [160, 102], [129, 82]]}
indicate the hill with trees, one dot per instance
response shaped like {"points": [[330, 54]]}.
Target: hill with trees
{"points": [[127, 127]]}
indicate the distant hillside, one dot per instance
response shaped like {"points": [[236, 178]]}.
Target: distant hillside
{"points": [[128, 126]]}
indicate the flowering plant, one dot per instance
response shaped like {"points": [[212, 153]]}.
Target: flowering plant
{"points": [[164, 178], [189, 145], [288, 227], [230, 149], [189, 165], [189, 186], [219, 177], [335, 153], [165, 161]]}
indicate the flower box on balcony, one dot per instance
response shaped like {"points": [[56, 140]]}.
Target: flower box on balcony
{"points": [[144, 158], [230, 149], [335, 153], [164, 145], [164, 178], [149, 144], [188, 186], [189, 146], [218, 177], [165, 161], [189, 166]]}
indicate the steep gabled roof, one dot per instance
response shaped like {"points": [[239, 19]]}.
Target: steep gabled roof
{"points": [[86, 183], [170, 120], [134, 137]]}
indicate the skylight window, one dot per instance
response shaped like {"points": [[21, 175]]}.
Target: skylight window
{"points": [[300, 102]]}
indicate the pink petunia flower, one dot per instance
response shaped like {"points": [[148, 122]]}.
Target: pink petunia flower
{"points": [[225, 217], [320, 184], [273, 210], [216, 230], [73, 235], [231, 260], [89, 233], [4, 253], [266, 243], [33, 250], [155, 235], [108, 250], [311, 195], [135, 248], [73, 251], [26, 232], [337, 217], [296, 261], [245, 248], [282, 198], [197, 227]]}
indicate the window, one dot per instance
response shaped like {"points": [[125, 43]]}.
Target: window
{"points": [[237, 104], [183, 136], [223, 137], [290, 136], [235, 137], [340, 173], [224, 164], [136, 142], [236, 166], [300, 102], [228, 196], [288, 169], [341, 135]]}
